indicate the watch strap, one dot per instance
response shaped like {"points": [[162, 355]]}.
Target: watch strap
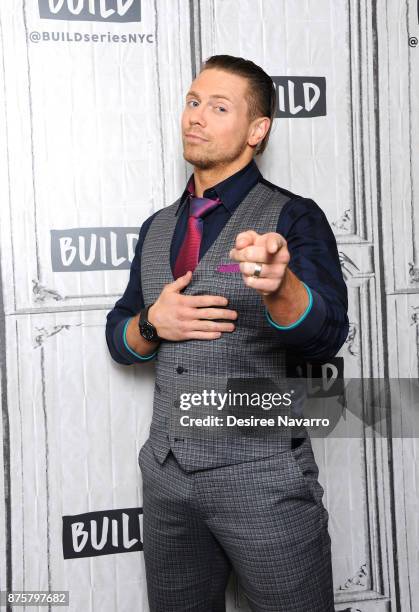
{"points": [[143, 321], [144, 315]]}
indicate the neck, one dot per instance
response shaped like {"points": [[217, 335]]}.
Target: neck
{"points": [[205, 178]]}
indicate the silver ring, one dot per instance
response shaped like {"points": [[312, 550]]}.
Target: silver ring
{"points": [[257, 270]]}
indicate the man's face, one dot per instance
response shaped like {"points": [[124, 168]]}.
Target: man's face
{"points": [[216, 112]]}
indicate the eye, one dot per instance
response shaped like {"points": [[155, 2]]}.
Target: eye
{"points": [[222, 108], [189, 102]]}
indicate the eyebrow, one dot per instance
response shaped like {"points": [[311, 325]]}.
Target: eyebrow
{"points": [[194, 93]]}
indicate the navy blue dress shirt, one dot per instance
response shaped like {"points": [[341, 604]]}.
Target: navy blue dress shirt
{"points": [[314, 260]]}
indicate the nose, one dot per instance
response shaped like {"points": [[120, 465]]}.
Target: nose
{"points": [[197, 115]]}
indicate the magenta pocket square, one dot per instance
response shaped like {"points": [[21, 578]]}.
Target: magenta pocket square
{"points": [[228, 268]]}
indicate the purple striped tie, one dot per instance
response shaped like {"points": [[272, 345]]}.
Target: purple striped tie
{"points": [[188, 255]]}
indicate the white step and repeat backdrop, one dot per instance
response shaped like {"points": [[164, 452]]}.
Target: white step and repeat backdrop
{"points": [[91, 93]]}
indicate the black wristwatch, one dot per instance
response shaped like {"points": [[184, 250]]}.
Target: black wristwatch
{"points": [[147, 329]]}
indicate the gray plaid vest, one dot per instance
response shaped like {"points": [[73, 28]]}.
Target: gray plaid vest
{"points": [[251, 351]]}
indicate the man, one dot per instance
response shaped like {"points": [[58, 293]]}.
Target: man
{"points": [[226, 282]]}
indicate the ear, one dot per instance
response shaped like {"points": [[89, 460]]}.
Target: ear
{"points": [[258, 130]]}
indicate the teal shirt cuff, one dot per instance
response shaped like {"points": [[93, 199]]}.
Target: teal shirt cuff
{"points": [[308, 326], [298, 321], [128, 351]]}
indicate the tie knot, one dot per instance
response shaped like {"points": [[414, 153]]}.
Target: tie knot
{"points": [[199, 207]]}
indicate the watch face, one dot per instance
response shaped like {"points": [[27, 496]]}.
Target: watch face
{"points": [[147, 331]]}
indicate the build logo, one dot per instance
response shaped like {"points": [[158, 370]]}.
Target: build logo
{"points": [[104, 532], [300, 96], [91, 10]]}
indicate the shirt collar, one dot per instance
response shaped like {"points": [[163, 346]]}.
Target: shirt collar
{"points": [[231, 190]]}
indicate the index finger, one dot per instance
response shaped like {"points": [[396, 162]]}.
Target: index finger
{"points": [[274, 242]]}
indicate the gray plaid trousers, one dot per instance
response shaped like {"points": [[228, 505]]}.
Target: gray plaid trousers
{"points": [[264, 518]]}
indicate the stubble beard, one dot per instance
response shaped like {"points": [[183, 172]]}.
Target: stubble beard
{"points": [[205, 162]]}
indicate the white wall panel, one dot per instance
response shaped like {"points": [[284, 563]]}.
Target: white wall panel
{"points": [[399, 122], [77, 422], [82, 150]]}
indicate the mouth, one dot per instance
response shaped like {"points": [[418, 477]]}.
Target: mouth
{"points": [[194, 138]]}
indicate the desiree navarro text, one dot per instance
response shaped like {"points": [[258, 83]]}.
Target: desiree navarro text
{"points": [[231, 421]]}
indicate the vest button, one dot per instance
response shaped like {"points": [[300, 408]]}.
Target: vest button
{"points": [[180, 370]]}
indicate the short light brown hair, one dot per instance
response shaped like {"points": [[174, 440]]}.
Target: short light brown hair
{"points": [[261, 92]]}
